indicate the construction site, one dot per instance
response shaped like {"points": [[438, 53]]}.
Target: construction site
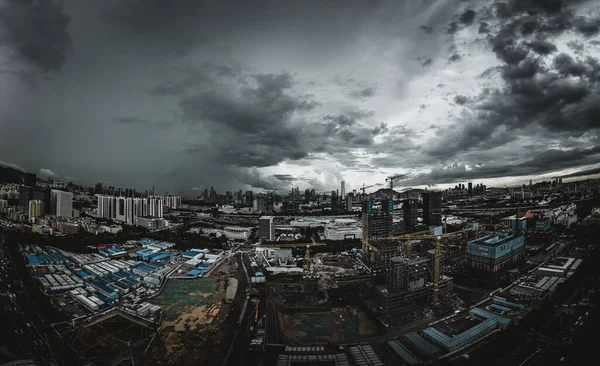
{"points": [[194, 312]]}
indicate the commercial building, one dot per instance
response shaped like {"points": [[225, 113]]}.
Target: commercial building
{"points": [[432, 208], [62, 203], [493, 254], [36, 208], [266, 230], [342, 230], [237, 233], [514, 223]]}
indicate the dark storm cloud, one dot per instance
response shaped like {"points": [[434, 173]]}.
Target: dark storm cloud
{"points": [[265, 104], [276, 182], [541, 47], [539, 163], [461, 100], [539, 91], [36, 31], [581, 173], [467, 17], [427, 29], [427, 62], [484, 28], [454, 57]]}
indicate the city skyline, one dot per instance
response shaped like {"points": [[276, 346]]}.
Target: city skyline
{"points": [[181, 95]]}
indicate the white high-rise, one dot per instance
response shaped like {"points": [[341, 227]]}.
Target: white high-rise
{"points": [[106, 207], [173, 202], [62, 203], [156, 204], [343, 191]]}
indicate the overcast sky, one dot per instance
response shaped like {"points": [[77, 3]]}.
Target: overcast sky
{"points": [[249, 94]]}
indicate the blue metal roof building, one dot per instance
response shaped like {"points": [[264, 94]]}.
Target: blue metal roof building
{"points": [[402, 352], [453, 343], [500, 308], [422, 345], [487, 315], [494, 248], [501, 301]]}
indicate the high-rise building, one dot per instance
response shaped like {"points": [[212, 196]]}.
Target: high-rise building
{"points": [[62, 203], [409, 208], [335, 203], [269, 203], [3, 206], [99, 189], [343, 190], [266, 230], [155, 205], [27, 193], [470, 189], [349, 200], [173, 202], [36, 208], [259, 204], [432, 208]]}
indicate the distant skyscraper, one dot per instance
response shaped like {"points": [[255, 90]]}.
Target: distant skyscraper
{"points": [[343, 190], [62, 203], [409, 208], [265, 228], [470, 189]]}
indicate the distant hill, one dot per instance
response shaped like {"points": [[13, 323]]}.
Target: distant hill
{"points": [[12, 175]]}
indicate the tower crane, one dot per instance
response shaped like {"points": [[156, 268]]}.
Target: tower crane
{"points": [[392, 178]]}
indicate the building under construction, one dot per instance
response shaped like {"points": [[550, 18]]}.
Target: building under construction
{"points": [[377, 223], [411, 285]]}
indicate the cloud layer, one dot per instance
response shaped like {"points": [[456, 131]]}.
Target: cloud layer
{"points": [[185, 94]]}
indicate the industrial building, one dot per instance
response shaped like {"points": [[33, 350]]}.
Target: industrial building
{"points": [[493, 254]]}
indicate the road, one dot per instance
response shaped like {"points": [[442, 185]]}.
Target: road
{"points": [[239, 347]]}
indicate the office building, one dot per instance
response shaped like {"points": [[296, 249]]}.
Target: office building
{"points": [[266, 230], [36, 208], [62, 203], [410, 210], [349, 201], [270, 203], [495, 254], [343, 190], [432, 208], [470, 189]]}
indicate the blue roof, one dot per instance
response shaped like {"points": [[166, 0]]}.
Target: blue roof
{"points": [[508, 303], [422, 345], [464, 337], [194, 272], [204, 265], [501, 308], [487, 315], [32, 258], [402, 352], [82, 274], [191, 253]]}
